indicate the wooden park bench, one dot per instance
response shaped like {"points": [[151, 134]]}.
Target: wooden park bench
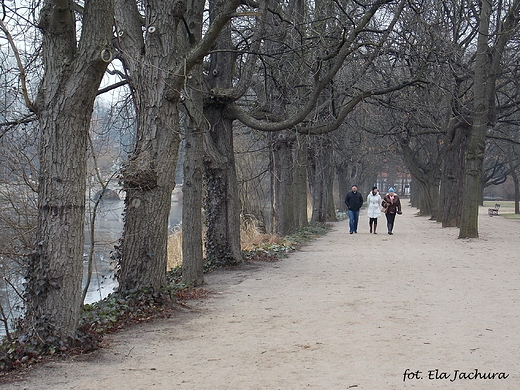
{"points": [[494, 211]]}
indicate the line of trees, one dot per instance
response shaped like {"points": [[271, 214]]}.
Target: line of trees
{"points": [[273, 102]]}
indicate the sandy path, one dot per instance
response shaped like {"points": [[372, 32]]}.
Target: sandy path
{"points": [[346, 312]]}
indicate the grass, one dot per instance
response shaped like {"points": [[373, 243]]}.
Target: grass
{"points": [[251, 238], [511, 216], [502, 203]]}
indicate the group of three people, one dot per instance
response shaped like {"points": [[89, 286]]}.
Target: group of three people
{"points": [[390, 205]]}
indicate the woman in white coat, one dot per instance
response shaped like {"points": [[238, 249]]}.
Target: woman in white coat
{"points": [[374, 209]]}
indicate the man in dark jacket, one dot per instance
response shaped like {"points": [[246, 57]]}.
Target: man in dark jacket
{"points": [[354, 201]]}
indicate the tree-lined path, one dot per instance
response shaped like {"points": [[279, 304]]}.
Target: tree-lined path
{"points": [[345, 312]]}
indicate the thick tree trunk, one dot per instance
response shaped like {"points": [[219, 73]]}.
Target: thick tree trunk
{"points": [[487, 67], [192, 188], [428, 193], [64, 107], [321, 182], [54, 277], [516, 182], [283, 189], [452, 188], [477, 138], [222, 199], [149, 177], [426, 181], [149, 180], [343, 187], [415, 192], [289, 185]]}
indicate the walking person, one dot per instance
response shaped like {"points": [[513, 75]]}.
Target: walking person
{"points": [[374, 209], [354, 201], [391, 206]]}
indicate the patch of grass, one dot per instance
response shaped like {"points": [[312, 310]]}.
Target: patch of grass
{"points": [[502, 203], [269, 251], [341, 215], [307, 233], [511, 216]]}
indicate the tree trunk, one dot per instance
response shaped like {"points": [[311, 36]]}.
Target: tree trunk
{"points": [[147, 208], [283, 189], [149, 177], [517, 192], [343, 188], [477, 139], [222, 199], [192, 188], [415, 193], [300, 183], [426, 180], [321, 178], [516, 182], [64, 108], [428, 193], [487, 67], [290, 185], [451, 192], [289, 156]]}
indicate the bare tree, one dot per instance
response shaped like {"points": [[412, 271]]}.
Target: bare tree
{"points": [[322, 56], [157, 49], [192, 189], [487, 68], [72, 73]]}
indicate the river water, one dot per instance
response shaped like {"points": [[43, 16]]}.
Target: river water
{"points": [[108, 229]]}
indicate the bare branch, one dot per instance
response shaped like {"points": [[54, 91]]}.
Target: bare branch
{"points": [[203, 47], [25, 92], [112, 87]]}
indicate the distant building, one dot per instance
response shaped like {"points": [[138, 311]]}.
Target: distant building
{"points": [[401, 182]]}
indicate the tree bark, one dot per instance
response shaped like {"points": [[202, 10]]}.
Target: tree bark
{"points": [[516, 182], [321, 182], [72, 74], [477, 138], [487, 67], [283, 189], [426, 179], [451, 192], [222, 199], [192, 188], [289, 184], [300, 183], [343, 188], [149, 177]]}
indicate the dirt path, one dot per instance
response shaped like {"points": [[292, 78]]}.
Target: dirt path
{"points": [[346, 312]]}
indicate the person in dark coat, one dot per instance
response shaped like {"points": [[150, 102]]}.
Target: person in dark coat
{"points": [[354, 201], [391, 206]]}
